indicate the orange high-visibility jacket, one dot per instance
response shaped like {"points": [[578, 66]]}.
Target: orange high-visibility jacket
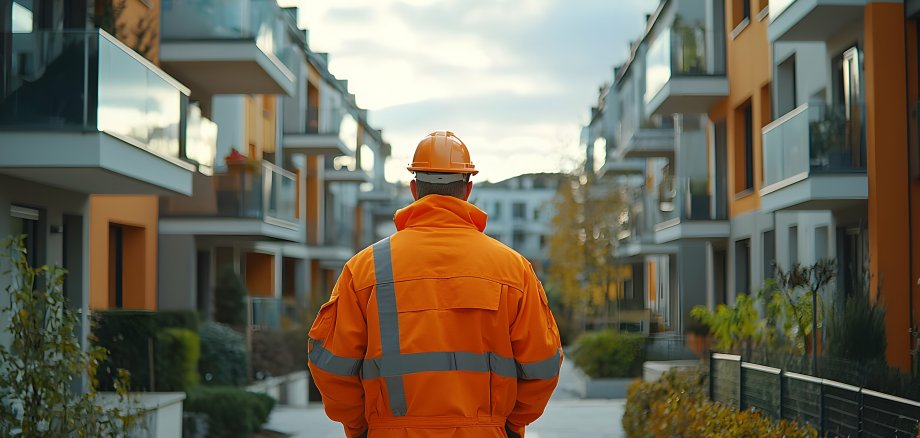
{"points": [[436, 331]]}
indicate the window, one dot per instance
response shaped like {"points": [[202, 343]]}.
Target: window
{"points": [[769, 254], [741, 12], [744, 148], [720, 144], [786, 86], [519, 210], [497, 211], [518, 239], [116, 266], [742, 266], [536, 214], [24, 222], [542, 242]]}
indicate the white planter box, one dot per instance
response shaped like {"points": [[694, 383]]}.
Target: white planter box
{"points": [[587, 387], [162, 411], [295, 389], [270, 386]]}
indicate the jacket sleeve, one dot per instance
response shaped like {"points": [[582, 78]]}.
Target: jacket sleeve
{"points": [[537, 352], [337, 346]]}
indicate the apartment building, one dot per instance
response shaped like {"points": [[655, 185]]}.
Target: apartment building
{"points": [[147, 146], [769, 134], [295, 154], [91, 133], [520, 213]]}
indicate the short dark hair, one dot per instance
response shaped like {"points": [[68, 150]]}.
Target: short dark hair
{"points": [[456, 189]]}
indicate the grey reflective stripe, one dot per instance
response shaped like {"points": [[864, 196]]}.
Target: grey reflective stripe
{"points": [[330, 363], [544, 369], [389, 321], [398, 365]]}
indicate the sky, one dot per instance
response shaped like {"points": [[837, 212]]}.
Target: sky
{"points": [[514, 79]]}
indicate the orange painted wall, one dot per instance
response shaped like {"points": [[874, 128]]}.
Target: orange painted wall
{"points": [[261, 115], [260, 274], [137, 25], [913, 95], [749, 69], [139, 215], [886, 126]]}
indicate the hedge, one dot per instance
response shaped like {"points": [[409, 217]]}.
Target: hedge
{"points": [[231, 412], [131, 336], [178, 350], [677, 405], [609, 353], [223, 355]]}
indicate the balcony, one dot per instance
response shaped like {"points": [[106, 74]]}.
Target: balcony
{"points": [[811, 20], [649, 143], [264, 313], [685, 62], [687, 211], [636, 241], [814, 159], [622, 168], [200, 140], [317, 139], [82, 111], [228, 47], [252, 199]]}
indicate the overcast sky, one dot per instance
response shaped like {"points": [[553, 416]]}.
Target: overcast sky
{"points": [[513, 78]]}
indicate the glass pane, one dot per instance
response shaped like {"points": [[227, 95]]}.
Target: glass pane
{"points": [[658, 65]]}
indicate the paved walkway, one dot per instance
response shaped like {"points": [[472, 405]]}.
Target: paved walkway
{"points": [[565, 416]]}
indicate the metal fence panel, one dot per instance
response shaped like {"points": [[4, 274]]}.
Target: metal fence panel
{"points": [[841, 410], [760, 389], [802, 399], [887, 416], [726, 388]]}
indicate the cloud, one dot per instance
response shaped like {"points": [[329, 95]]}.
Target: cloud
{"points": [[515, 78]]}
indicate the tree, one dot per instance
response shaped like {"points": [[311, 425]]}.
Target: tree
{"points": [[40, 366], [583, 270], [230, 298]]}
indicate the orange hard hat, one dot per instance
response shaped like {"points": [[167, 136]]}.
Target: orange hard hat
{"points": [[442, 152]]}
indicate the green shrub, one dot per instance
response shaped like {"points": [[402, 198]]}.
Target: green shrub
{"points": [[186, 319], [677, 405], [223, 355], [231, 412], [608, 353], [129, 336], [859, 333], [229, 298], [177, 353]]}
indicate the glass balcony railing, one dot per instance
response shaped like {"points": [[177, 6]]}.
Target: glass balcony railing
{"points": [[682, 49], [686, 199], [814, 139], [200, 138], [258, 20], [88, 81], [778, 6], [252, 190], [265, 312]]}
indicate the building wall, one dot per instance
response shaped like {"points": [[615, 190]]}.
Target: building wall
{"points": [[54, 205], [176, 285], [138, 216]]}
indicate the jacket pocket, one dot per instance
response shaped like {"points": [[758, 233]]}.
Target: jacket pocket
{"points": [[325, 320], [448, 294]]}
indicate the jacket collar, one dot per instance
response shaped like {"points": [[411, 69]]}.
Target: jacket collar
{"points": [[437, 211]]}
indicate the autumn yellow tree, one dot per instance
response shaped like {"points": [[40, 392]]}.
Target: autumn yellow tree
{"points": [[583, 274]]}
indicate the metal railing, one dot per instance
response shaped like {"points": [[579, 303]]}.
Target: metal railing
{"points": [[831, 407]]}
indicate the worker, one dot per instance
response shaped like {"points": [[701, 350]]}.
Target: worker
{"points": [[437, 330]]}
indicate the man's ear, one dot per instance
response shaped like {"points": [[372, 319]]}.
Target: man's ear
{"points": [[413, 187]]}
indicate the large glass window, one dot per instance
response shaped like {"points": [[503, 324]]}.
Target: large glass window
{"points": [[519, 210], [24, 222], [22, 16]]}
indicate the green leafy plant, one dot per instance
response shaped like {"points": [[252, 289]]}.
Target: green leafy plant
{"points": [[223, 355], [733, 327], [38, 394], [231, 412], [609, 353], [230, 298], [177, 353], [677, 406]]}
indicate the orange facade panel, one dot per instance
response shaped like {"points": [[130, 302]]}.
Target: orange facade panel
{"points": [[260, 274], [123, 252]]}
